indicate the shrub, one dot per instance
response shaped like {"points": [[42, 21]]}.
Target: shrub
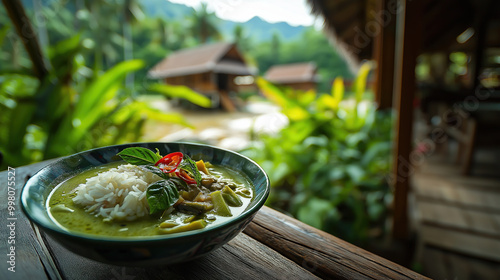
{"points": [[327, 166]]}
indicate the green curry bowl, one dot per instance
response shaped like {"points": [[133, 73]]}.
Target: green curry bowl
{"points": [[139, 250]]}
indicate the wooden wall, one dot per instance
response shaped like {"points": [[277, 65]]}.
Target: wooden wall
{"points": [[202, 82]]}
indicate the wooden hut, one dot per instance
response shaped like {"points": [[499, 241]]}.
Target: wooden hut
{"points": [[208, 69], [301, 76]]}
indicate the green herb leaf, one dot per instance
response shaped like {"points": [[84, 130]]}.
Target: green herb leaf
{"points": [[139, 156], [179, 183], [155, 170], [190, 166], [161, 195]]}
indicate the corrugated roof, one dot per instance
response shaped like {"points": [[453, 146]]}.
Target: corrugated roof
{"points": [[292, 73], [199, 60]]}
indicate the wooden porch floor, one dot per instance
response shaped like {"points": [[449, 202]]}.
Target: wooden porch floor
{"points": [[457, 218]]}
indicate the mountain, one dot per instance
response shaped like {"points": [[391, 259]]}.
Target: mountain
{"points": [[257, 28], [166, 9], [261, 30]]}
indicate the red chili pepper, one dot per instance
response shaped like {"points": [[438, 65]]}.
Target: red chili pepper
{"points": [[170, 162], [185, 176]]}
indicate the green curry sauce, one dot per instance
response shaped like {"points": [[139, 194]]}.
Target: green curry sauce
{"points": [[74, 218]]}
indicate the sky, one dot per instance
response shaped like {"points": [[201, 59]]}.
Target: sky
{"points": [[294, 12]]}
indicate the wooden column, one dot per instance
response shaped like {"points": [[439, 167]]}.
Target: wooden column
{"points": [[408, 39], [383, 53]]}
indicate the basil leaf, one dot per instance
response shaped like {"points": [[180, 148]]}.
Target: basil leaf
{"points": [[155, 170], [179, 183], [158, 152], [190, 166], [161, 195], [139, 156]]}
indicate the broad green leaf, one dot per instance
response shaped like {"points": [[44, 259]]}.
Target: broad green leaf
{"points": [[181, 92], [124, 113], [155, 170], [272, 92], [20, 118], [18, 85], [307, 97], [321, 141], [94, 95], [82, 125], [190, 166], [296, 113], [3, 33], [360, 82], [62, 54], [147, 112], [337, 91], [326, 101], [291, 107], [313, 212], [139, 156], [161, 195], [168, 118], [355, 171]]}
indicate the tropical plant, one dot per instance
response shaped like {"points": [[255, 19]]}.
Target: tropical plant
{"points": [[327, 166], [54, 117], [203, 25], [58, 108], [241, 39]]}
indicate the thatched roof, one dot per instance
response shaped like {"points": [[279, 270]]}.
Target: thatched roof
{"points": [[292, 73], [353, 24], [218, 58]]}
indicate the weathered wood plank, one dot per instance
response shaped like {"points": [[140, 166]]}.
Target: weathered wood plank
{"points": [[462, 242], [437, 166], [321, 253], [442, 264], [242, 258], [441, 188], [31, 260], [460, 217]]}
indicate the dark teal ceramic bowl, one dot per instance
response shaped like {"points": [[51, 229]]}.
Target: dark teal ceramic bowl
{"points": [[136, 251]]}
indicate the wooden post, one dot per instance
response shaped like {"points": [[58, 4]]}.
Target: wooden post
{"points": [[383, 53], [408, 38]]}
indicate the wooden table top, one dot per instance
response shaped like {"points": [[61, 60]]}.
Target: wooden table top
{"points": [[273, 246]]}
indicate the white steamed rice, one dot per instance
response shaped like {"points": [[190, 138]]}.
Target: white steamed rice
{"points": [[116, 194]]}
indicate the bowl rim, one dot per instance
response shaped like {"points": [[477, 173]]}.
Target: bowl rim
{"points": [[247, 213]]}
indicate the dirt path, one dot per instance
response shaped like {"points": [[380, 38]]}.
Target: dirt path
{"points": [[223, 129]]}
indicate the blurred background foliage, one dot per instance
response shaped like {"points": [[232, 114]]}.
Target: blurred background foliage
{"points": [[84, 100], [327, 166], [98, 54], [116, 30]]}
